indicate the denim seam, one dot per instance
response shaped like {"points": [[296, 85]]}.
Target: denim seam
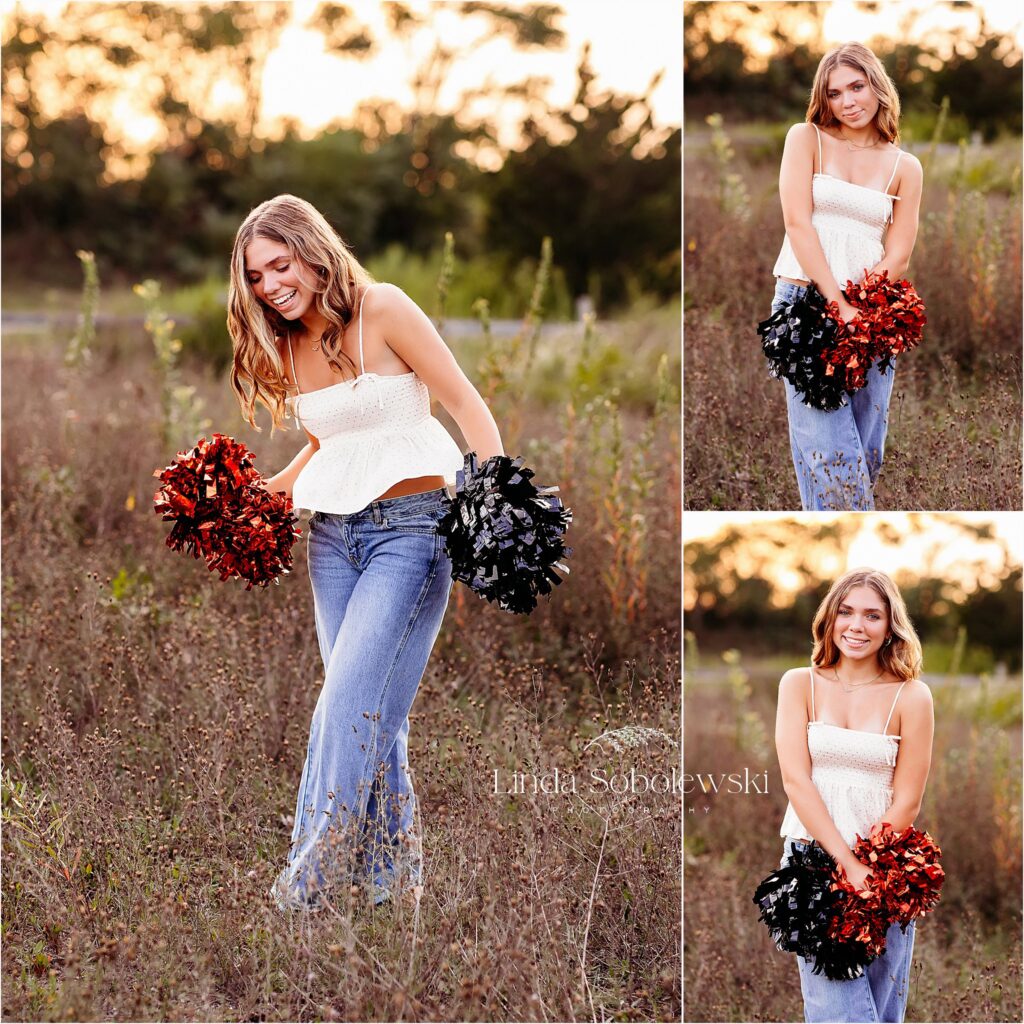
{"points": [[305, 787], [372, 746], [353, 549]]}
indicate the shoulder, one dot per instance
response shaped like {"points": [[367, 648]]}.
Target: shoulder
{"points": [[393, 310], [910, 167], [801, 130], [916, 696], [795, 681], [914, 711], [803, 133], [384, 298]]}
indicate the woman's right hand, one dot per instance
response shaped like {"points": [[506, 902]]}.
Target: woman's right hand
{"points": [[846, 311], [857, 874]]}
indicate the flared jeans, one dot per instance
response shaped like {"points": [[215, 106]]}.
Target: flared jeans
{"points": [[879, 994], [837, 455], [381, 579]]}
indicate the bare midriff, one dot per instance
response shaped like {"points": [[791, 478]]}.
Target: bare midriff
{"points": [[793, 280], [413, 485]]}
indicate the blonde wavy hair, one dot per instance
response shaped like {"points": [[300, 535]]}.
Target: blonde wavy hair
{"points": [[324, 264], [900, 657], [860, 58]]}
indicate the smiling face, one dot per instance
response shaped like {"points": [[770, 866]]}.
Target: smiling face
{"points": [[862, 624], [275, 278], [850, 97]]}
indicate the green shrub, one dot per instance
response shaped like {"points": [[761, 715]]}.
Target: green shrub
{"points": [[483, 277], [201, 312]]}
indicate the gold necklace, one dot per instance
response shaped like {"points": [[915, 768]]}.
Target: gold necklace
{"points": [[853, 145], [850, 687], [315, 345]]}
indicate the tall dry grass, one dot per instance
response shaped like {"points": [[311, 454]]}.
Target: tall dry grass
{"points": [[155, 724], [955, 416], [967, 954]]}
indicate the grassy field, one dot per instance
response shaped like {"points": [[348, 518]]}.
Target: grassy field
{"points": [[155, 720], [955, 418], [967, 954]]}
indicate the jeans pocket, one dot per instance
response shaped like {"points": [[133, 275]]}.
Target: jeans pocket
{"points": [[420, 520], [786, 292]]}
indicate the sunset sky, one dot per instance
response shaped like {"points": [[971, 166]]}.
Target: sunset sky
{"points": [[930, 542], [943, 23], [316, 88]]}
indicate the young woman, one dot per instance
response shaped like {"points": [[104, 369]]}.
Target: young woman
{"points": [[854, 740], [850, 201], [353, 362]]}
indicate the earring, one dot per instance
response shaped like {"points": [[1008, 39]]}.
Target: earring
{"points": [[888, 640]]}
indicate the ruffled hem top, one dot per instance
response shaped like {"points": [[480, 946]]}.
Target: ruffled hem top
{"points": [[374, 431], [850, 222], [853, 772]]}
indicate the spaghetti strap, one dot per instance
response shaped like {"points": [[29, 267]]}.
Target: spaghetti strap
{"points": [[362, 365], [893, 175], [291, 356], [821, 170], [813, 712], [885, 728]]}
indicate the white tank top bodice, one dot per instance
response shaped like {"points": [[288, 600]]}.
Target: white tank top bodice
{"points": [[374, 431], [852, 770], [850, 222]]}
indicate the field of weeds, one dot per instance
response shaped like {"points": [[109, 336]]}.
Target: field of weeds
{"points": [[955, 417], [155, 719], [967, 954]]}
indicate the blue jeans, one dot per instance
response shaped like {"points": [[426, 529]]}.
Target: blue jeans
{"points": [[837, 455], [879, 994], [381, 580]]}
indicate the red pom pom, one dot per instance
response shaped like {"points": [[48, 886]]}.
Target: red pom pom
{"points": [[905, 870], [893, 312], [853, 350], [903, 885], [858, 916], [222, 512]]}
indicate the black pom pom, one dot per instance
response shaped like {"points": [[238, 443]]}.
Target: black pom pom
{"points": [[793, 339], [797, 903], [504, 534]]}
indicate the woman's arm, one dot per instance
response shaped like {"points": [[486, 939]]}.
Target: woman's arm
{"points": [[797, 207], [285, 480], [795, 766], [409, 333], [917, 726], [899, 242]]}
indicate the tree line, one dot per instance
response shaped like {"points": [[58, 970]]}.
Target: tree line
{"points": [[606, 192], [979, 72], [732, 597]]}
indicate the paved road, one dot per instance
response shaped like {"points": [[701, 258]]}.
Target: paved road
{"points": [[38, 320]]}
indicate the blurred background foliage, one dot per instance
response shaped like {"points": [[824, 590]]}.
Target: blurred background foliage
{"points": [[599, 177], [752, 61], [758, 589]]}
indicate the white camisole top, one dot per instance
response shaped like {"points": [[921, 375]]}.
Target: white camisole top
{"points": [[853, 771], [850, 221], [374, 431]]}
